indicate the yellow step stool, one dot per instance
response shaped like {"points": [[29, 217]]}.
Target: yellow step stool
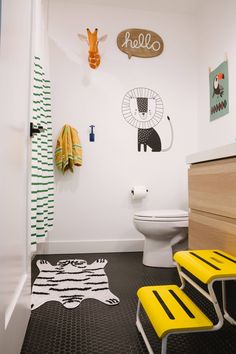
{"points": [[207, 265], [169, 310]]}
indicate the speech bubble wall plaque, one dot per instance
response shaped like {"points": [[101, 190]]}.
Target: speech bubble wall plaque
{"points": [[140, 43]]}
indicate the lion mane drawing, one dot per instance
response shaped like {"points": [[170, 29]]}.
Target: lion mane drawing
{"points": [[143, 109]]}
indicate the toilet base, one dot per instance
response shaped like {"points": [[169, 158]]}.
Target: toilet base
{"points": [[158, 253]]}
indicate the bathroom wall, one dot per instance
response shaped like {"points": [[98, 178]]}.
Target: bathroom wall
{"points": [[216, 36], [93, 206], [14, 112]]}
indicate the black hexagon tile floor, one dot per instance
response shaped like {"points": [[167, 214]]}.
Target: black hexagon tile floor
{"points": [[95, 328]]}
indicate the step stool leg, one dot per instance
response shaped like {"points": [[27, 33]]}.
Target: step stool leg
{"points": [[164, 345], [227, 316], [140, 329]]}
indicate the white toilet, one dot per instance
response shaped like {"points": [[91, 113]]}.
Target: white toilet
{"points": [[162, 230]]}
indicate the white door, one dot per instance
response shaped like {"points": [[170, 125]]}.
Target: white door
{"points": [[14, 169]]}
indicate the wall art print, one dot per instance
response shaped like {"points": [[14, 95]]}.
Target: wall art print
{"points": [[0, 19], [143, 109], [219, 92]]}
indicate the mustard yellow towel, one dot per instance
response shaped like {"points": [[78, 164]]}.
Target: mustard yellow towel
{"points": [[68, 151]]}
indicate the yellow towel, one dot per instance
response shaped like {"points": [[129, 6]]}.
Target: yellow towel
{"points": [[68, 151]]}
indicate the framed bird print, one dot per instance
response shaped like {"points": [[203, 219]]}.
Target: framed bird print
{"points": [[219, 91], [0, 19]]}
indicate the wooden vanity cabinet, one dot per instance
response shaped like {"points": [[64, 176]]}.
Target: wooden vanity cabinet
{"points": [[212, 203]]}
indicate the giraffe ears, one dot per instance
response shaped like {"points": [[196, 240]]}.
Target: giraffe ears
{"points": [[103, 38], [82, 37]]}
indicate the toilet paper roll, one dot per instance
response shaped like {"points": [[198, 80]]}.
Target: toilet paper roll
{"points": [[139, 192]]}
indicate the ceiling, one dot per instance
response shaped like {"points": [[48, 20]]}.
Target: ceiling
{"points": [[174, 6]]}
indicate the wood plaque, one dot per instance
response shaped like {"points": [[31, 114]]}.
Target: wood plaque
{"points": [[140, 43]]}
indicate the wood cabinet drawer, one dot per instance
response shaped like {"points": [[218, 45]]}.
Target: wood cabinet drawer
{"points": [[212, 187], [207, 231]]}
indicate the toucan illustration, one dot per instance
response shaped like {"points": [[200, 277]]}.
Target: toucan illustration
{"points": [[217, 88]]}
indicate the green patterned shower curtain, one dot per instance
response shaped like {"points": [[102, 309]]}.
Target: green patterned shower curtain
{"points": [[42, 172]]}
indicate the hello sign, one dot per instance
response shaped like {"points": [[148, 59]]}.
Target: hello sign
{"points": [[140, 43]]}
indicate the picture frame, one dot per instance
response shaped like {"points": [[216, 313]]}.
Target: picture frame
{"points": [[219, 91]]}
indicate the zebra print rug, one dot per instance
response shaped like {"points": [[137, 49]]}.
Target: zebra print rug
{"points": [[70, 282]]}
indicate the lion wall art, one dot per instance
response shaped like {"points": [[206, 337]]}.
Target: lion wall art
{"points": [[143, 109]]}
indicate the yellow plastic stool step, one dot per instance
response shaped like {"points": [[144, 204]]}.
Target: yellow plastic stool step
{"points": [[207, 265], [169, 309]]}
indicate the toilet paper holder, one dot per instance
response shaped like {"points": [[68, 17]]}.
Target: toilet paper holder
{"points": [[132, 191]]}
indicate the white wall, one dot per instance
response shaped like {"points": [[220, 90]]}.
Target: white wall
{"points": [[14, 262], [94, 203], [216, 36]]}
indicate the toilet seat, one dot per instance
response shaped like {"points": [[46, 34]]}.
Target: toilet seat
{"points": [[162, 215]]}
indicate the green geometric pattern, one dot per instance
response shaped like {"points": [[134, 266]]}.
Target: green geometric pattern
{"points": [[42, 172]]}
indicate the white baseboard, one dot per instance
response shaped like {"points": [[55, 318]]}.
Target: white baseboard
{"points": [[90, 246]]}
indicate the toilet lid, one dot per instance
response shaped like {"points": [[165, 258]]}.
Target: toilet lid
{"points": [[166, 214]]}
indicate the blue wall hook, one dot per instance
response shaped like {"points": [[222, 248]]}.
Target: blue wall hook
{"points": [[91, 135]]}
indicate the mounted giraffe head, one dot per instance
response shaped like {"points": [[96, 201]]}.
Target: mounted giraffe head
{"points": [[93, 40]]}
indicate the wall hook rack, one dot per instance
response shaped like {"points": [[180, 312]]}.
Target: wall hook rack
{"points": [[35, 130], [92, 135]]}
